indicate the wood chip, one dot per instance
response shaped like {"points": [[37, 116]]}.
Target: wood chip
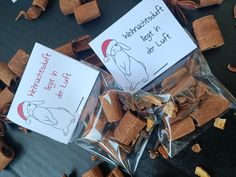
{"points": [[115, 173], [231, 68], [94, 172], [220, 123], [18, 62], [207, 33], [199, 171], [128, 128], [67, 6], [196, 148], [206, 3], [210, 108], [86, 12], [111, 106]]}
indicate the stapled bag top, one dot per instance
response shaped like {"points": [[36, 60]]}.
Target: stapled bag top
{"points": [[52, 94], [142, 44]]}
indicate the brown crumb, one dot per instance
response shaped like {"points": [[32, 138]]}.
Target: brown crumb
{"points": [[220, 123], [199, 171], [196, 148]]}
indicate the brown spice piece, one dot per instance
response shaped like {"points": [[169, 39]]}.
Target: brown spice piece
{"points": [[181, 128], [220, 123], [87, 12], [199, 171], [6, 75], [94, 172], [163, 152], [6, 154], [67, 50], [200, 90], [172, 80], [210, 108], [98, 122], [18, 62], [40, 3], [207, 33], [170, 109], [183, 85], [6, 96], [31, 14], [81, 44], [115, 173], [94, 60], [111, 106], [67, 6], [128, 128], [196, 148], [205, 3], [231, 68]]}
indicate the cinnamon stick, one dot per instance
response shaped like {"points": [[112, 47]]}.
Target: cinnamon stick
{"points": [[206, 3], [87, 12], [111, 106], [98, 122], [67, 6], [18, 62], [210, 108], [6, 154], [6, 96], [128, 128], [40, 3], [94, 172], [207, 33], [6, 75]]}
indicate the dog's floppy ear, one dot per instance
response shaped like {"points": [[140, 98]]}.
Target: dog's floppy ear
{"points": [[38, 102], [123, 46]]}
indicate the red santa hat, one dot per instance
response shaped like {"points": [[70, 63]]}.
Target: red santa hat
{"points": [[23, 112], [106, 48]]}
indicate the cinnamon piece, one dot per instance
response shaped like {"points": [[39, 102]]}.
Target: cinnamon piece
{"points": [[87, 12], [18, 62], [94, 60], [6, 96], [6, 75], [205, 3], [6, 154], [128, 128], [40, 3], [32, 13], [181, 128], [98, 122], [207, 33], [173, 79], [111, 106], [67, 6], [67, 50], [163, 152], [196, 148], [115, 173], [81, 44], [210, 108], [183, 85], [94, 172]]}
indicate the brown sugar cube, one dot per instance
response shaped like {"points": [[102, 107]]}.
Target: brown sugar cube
{"points": [[205, 3], [128, 128], [210, 108], [115, 173], [18, 62], [87, 12], [6, 75], [94, 172], [207, 33], [6, 154], [40, 3], [98, 122], [67, 6], [111, 106], [67, 50], [181, 128], [6, 96]]}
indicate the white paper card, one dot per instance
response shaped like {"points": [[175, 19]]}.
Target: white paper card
{"points": [[52, 94], [142, 44]]}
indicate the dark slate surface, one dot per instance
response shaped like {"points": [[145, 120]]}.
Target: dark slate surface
{"points": [[37, 156]]}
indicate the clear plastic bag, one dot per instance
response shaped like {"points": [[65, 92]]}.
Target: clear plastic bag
{"points": [[116, 125], [196, 98]]}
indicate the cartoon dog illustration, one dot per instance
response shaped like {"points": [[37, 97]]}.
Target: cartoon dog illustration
{"points": [[59, 118], [134, 71]]}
